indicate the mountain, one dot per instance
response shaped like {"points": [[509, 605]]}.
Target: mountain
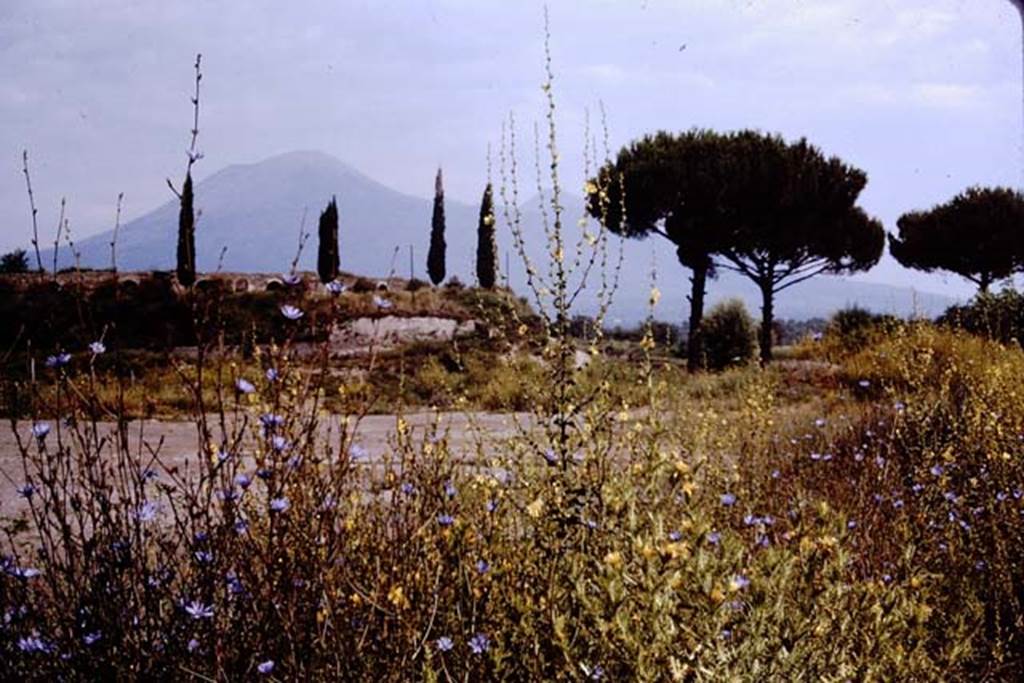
{"points": [[254, 211]]}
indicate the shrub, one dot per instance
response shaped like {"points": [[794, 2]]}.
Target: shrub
{"points": [[363, 285], [854, 328], [993, 316], [415, 285], [730, 335]]}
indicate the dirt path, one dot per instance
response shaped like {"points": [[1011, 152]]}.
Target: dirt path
{"points": [[179, 443]]}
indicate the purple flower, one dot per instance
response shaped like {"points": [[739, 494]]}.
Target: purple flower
{"points": [[271, 374], [244, 386], [58, 360], [728, 499], [444, 644], [482, 567], [265, 667], [674, 536], [445, 520], [204, 557], [40, 430], [739, 582], [34, 643], [291, 312], [450, 490], [383, 304], [193, 645], [292, 279], [335, 287], [26, 490], [492, 505], [550, 457], [279, 443], [776, 474], [864, 384], [852, 524], [408, 489], [91, 638], [147, 511], [714, 538], [358, 452], [23, 572], [897, 504], [819, 423], [198, 610], [280, 504], [936, 470], [243, 480], [271, 420], [597, 673], [479, 644]]}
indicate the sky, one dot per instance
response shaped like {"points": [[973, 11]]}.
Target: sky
{"points": [[924, 95]]}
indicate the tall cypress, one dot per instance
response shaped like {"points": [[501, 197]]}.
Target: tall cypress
{"points": [[435, 256], [486, 249], [187, 235], [328, 261]]}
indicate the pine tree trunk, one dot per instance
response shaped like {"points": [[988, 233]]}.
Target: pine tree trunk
{"points": [[767, 320], [695, 337]]}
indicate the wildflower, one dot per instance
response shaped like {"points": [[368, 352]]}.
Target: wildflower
{"points": [[1001, 496], [738, 582], [815, 457], [550, 457], [34, 643], [358, 452], [271, 374], [244, 386], [479, 644], [887, 578], [40, 430], [263, 473], [445, 520], [776, 474], [204, 557], [265, 667], [270, 421], [147, 511], [241, 526], [408, 489], [26, 490], [243, 481], [917, 488], [492, 505], [597, 673], [936, 470], [728, 499], [198, 610], [1017, 493], [58, 360], [280, 504], [897, 504], [291, 312], [335, 287], [482, 567], [97, 347], [950, 496], [279, 443], [450, 490], [714, 538], [91, 638], [234, 584], [674, 536], [24, 572], [149, 473], [852, 524], [444, 644], [864, 384], [193, 645], [383, 304], [292, 279], [819, 423]]}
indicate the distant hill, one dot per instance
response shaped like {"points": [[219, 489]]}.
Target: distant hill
{"points": [[254, 210]]}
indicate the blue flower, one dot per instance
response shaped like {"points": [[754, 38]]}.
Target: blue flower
{"points": [[91, 638], [714, 538], [450, 490], [597, 673], [776, 474], [23, 572], [445, 520], [26, 490], [492, 505], [193, 645], [444, 644], [97, 347], [291, 312], [479, 644], [550, 457], [383, 304], [897, 504], [279, 443], [265, 667], [728, 499], [864, 384], [204, 557], [674, 536], [40, 430], [244, 386], [936, 470], [852, 524], [241, 526], [739, 582], [482, 567], [358, 452], [271, 374], [335, 287], [408, 489], [280, 504], [198, 610], [243, 480], [820, 422], [292, 279]]}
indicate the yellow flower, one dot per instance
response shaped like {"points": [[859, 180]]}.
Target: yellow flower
{"points": [[536, 508], [613, 560], [396, 596]]}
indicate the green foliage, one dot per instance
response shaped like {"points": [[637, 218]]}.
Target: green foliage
{"points": [[14, 262], [328, 261], [855, 328], [975, 235], [486, 247], [730, 336], [436, 253], [186, 268], [998, 316]]}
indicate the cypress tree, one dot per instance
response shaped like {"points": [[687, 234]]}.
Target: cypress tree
{"points": [[328, 261], [486, 249], [435, 256], [187, 235]]}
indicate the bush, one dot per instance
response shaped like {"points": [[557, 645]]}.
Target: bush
{"points": [[415, 285], [854, 328], [730, 335], [994, 316], [363, 285]]}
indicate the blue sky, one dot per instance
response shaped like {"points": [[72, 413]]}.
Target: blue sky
{"points": [[922, 94]]}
